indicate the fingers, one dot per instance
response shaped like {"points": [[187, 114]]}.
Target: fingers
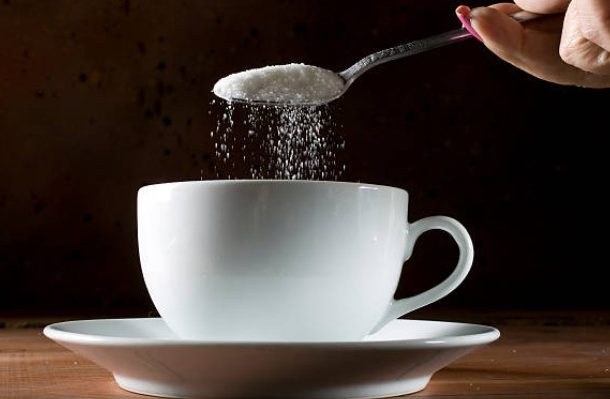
{"points": [[594, 20], [532, 47], [544, 6], [499, 32], [578, 50], [506, 8]]}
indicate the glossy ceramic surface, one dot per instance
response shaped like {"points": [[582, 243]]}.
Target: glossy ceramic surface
{"points": [[282, 260], [144, 356]]}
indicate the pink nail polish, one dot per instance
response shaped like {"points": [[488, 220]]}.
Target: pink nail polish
{"points": [[463, 14]]}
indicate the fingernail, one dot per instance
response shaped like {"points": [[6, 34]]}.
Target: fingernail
{"points": [[463, 14]]}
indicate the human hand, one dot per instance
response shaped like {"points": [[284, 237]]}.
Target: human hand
{"points": [[570, 49]]}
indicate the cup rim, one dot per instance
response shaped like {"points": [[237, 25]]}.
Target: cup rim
{"points": [[271, 182]]}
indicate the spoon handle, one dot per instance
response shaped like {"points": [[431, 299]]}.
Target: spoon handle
{"points": [[416, 47], [403, 50]]}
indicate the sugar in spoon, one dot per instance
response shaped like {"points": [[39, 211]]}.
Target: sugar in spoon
{"points": [[299, 84]]}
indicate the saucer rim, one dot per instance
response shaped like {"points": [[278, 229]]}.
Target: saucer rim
{"points": [[57, 332]]}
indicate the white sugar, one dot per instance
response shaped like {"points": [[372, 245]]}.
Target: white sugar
{"points": [[283, 84], [277, 142]]}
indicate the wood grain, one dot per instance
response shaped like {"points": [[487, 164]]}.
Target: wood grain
{"points": [[535, 358]]}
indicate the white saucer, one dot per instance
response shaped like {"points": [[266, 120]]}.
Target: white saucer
{"points": [[145, 357]]}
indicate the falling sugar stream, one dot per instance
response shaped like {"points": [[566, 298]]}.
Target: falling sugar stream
{"points": [[276, 142]]}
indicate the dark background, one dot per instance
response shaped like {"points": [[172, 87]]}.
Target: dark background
{"points": [[98, 98]]}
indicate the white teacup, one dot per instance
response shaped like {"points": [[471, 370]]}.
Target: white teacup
{"points": [[257, 260]]}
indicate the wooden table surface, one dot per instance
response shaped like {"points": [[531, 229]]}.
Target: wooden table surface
{"points": [[540, 355]]}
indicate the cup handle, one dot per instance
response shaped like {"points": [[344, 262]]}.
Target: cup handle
{"points": [[401, 307]]}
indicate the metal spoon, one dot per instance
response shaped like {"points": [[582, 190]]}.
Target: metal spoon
{"points": [[352, 73]]}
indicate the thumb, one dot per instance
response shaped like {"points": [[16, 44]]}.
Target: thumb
{"points": [[500, 33]]}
